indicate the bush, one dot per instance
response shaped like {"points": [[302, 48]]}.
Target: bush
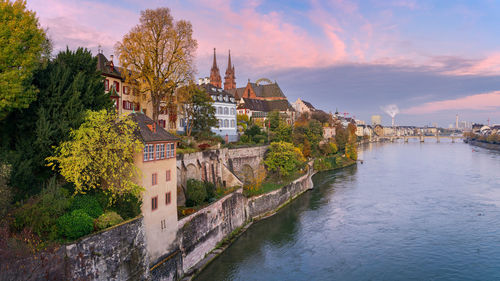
{"points": [[127, 206], [196, 193], [107, 219], [41, 212], [75, 224], [5, 189], [259, 138], [211, 189], [88, 203], [321, 164], [244, 139]]}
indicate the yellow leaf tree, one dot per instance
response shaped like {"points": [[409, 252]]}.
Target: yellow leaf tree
{"points": [[158, 54], [100, 155]]}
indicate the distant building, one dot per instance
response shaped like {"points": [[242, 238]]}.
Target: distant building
{"points": [[376, 120], [302, 106]]}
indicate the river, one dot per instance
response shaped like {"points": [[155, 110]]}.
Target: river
{"points": [[412, 211]]}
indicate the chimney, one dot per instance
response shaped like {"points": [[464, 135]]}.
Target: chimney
{"points": [[111, 57]]}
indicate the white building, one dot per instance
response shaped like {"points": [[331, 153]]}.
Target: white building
{"points": [[225, 111]]}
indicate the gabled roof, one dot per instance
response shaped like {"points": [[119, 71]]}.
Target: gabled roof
{"points": [[266, 105], [215, 91], [237, 93], [267, 90], [104, 66], [309, 105], [148, 131]]}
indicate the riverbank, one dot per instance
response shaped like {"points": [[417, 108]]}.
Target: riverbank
{"points": [[260, 207], [486, 145]]}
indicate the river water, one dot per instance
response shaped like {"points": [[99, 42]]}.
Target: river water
{"points": [[412, 211]]}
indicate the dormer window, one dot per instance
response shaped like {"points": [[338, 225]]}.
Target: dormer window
{"points": [[214, 98], [225, 98], [220, 98], [232, 99]]}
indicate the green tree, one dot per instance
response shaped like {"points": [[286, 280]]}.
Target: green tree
{"points": [[283, 159], [159, 53], [68, 86], [22, 44], [100, 155], [308, 136], [274, 120], [198, 109]]}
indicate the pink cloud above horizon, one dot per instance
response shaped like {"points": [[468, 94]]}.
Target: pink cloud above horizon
{"points": [[484, 102]]}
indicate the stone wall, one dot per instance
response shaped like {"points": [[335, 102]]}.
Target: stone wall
{"points": [[200, 232], [485, 145], [115, 254], [265, 203]]}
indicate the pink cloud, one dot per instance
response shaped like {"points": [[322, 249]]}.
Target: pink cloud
{"points": [[486, 66], [485, 101]]}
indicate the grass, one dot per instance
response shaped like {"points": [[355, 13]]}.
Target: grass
{"points": [[271, 184]]}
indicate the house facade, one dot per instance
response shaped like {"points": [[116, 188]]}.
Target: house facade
{"points": [[302, 106], [157, 164], [225, 112]]}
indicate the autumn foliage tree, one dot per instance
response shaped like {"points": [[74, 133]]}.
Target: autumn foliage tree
{"points": [[22, 43], [197, 107], [100, 155], [158, 54], [283, 159]]}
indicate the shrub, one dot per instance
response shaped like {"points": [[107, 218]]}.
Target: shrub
{"points": [[195, 193], [5, 189], [107, 219], [203, 146], [75, 224], [41, 212], [321, 164], [211, 189], [244, 139], [259, 138], [88, 203], [127, 206]]}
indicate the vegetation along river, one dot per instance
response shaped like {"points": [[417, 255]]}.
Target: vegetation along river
{"points": [[412, 211]]}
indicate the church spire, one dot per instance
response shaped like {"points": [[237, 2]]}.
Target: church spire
{"points": [[229, 78], [215, 78]]}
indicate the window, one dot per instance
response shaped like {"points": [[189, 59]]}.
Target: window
{"points": [[154, 203], [226, 111], [226, 123], [162, 151], [116, 84], [151, 150], [168, 198], [232, 111], [146, 153], [154, 179], [126, 90], [158, 151], [219, 110], [106, 85], [162, 123], [163, 224], [232, 123], [172, 150], [167, 175]]}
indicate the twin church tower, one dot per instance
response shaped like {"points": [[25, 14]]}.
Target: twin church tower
{"points": [[229, 78]]}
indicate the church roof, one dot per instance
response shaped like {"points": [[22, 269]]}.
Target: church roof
{"points": [[308, 104], [266, 105], [267, 90], [237, 92]]}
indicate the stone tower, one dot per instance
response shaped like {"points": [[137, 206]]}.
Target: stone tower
{"points": [[229, 78], [215, 78]]}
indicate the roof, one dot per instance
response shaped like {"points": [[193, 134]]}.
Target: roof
{"points": [[237, 92], [104, 66], [267, 90], [308, 104], [148, 135], [215, 91], [266, 105]]}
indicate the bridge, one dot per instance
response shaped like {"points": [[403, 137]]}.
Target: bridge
{"points": [[422, 138]]}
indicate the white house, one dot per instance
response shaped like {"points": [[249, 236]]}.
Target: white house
{"points": [[225, 111]]}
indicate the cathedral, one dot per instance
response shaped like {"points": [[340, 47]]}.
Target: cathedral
{"points": [[229, 78]]}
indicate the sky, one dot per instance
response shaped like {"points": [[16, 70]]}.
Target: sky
{"points": [[433, 59]]}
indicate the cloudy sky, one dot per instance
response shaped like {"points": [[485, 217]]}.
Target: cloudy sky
{"points": [[433, 59]]}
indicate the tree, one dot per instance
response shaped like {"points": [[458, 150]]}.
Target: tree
{"points": [[100, 155], [308, 136], [341, 137], [283, 158], [198, 109], [274, 120], [159, 54], [68, 86], [22, 44], [321, 116]]}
